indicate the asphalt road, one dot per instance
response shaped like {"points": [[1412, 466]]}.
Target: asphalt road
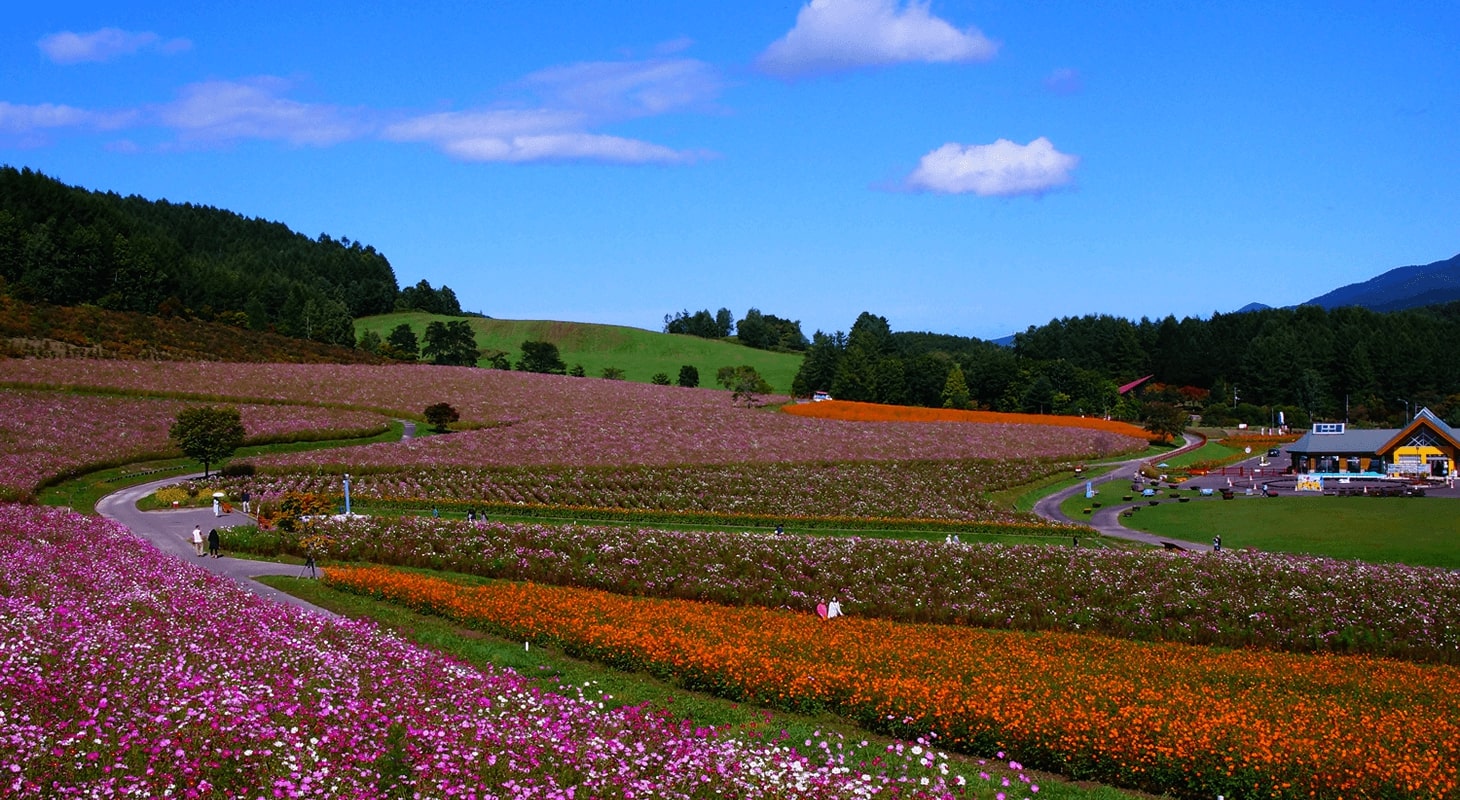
{"points": [[1106, 519], [172, 533]]}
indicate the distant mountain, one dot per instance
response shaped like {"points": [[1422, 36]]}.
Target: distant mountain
{"points": [[1253, 307], [1400, 288]]}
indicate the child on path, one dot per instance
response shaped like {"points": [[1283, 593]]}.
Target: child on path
{"points": [[198, 539]]}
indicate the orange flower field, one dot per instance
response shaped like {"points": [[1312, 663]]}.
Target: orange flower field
{"points": [[876, 412], [1190, 721]]}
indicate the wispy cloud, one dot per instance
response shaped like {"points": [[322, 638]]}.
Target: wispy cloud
{"points": [[106, 44], [566, 120], [835, 35], [227, 111], [574, 102], [1064, 81], [512, 135], [1001, 169], [624, 89], [29, 119]]}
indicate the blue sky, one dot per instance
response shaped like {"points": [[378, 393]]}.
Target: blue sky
{"points": [[956, 166]]}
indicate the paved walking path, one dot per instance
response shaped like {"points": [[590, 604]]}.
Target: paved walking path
{"points": [[1106, 519], [172, 533]]}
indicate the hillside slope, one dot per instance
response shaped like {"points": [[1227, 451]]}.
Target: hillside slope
{"points": [[1400, 288], [639, 353]]}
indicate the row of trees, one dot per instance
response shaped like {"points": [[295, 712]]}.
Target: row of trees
{"points": [[1305, 363], [756, 329], [66, 246], [1346, 363], [875, 365]]}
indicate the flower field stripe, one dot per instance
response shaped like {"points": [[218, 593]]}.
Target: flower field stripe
{"points": [[523, 418], [1234, 599], [44, 434], [878, 412], [128, 673], [916, 491], [1161, 717]]}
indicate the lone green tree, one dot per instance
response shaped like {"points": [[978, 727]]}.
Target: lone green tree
{"points": [[451, 344], [744, 383], [689, 376], [955, 390], [208, 433], [541, 357], [1164, 420], [440, 415], [403, 344]]}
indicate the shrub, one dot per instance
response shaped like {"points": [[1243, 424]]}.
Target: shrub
{"points": [[242, 469]]}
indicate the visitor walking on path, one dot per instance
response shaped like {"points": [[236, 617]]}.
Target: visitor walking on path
{"points": [[198, 539], [217, 507], [213, 542], [244, 498]]}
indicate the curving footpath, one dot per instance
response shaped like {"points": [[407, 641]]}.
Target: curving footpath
{"points": [[1106, 520], [172, 533]]}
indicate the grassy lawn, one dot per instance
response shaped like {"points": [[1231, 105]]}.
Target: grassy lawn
{"points": [[639, 353], [1423, 531], [553, 670]]}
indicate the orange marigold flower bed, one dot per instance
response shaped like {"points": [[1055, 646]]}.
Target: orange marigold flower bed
{"points": [[1161, 717], [877, 412]]}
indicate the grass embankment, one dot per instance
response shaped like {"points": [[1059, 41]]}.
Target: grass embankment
{"points": [[639, 353], [1421, 531], [551, 669], [83, 492]]}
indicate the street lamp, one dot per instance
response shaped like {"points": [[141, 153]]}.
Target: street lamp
{"points": [[347, 494], [1406, 408]]}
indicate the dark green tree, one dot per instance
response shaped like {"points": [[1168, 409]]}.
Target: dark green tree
{"points": [[743, 382], [369, 342], [660, 379], [613, 373], [1164, 420], [440, 415], [208, 433], [402, 341], [689, 376], [541, 357], [451, 344]]}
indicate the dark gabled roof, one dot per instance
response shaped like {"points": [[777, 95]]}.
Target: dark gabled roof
{"points": [[1427, 419], [1371, 442]]}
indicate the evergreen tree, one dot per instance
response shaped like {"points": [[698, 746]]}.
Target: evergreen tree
{"points": [[955, 390]]}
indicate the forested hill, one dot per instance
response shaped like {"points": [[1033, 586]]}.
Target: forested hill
{"points": [[69, 246]]}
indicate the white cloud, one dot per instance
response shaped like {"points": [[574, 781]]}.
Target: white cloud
{"points": [[832, 35], [574, 100], [1064, 81], [528, 135], [1001, 169], [67, 47], [46, 116], [622, 89], [225, 111]]}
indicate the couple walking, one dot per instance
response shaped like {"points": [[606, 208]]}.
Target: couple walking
{"points": [[214, 540]]}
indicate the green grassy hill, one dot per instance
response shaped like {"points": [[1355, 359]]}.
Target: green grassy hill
{"points": [[639, 353]]}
